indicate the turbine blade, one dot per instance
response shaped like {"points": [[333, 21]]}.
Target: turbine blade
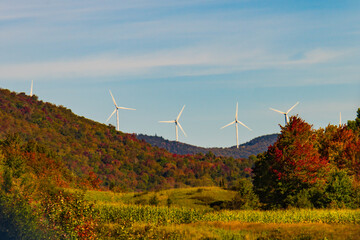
{"points": [[236, 115], [227, 125], [182, 129], [113, 98], [277, 111], [245, 125], [167, 121], [292, 107], [111, 115], [180, 113], [126, 108]]}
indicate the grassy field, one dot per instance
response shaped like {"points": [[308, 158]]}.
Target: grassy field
{"points": [[189, 216], [197, 198]]}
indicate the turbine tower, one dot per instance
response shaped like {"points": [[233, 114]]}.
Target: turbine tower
{"points": [[285, 113], [340, 119], [116, 110], [236, 122], [31, 89], [176, 121]]}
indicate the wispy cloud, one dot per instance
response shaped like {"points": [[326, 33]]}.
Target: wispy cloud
{"points": [[317, 56], [20, 9]]}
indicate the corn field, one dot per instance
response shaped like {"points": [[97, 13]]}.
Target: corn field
{"points": [[287, 216], [149, 214], [173, 215]]}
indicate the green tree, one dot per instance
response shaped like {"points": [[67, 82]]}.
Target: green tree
{"points": [[355, 124], [7, 184], [13, 157], [339, 191]]}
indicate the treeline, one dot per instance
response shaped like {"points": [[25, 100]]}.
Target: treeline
{"points": [[253, 147], [121, 161]]}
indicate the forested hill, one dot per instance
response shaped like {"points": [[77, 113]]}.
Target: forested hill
{"points": [[253, 147], [90, 149]]}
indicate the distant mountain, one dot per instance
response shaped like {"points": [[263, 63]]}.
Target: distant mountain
{"points": [[89, 149], [253, 147]]}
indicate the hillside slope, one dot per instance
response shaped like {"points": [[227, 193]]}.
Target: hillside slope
{"points": [[253, 147], [120, 160]]}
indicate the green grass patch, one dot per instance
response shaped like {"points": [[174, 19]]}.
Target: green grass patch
{"points": [[197, 198]]}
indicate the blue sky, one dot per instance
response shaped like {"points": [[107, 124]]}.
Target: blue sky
{"points": [[158, 55]]}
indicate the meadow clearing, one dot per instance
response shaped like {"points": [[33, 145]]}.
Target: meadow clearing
{"points": [[188, 215]]}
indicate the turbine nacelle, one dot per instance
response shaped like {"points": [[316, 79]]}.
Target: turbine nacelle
{"points": [[285, 113]]}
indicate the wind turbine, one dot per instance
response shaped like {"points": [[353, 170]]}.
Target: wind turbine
{"points": [[31, 89], [236, 122], [116, 110], [285, 113], [176, 121]]}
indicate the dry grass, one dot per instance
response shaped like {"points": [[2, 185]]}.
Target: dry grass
{"points": [[252, 231], [287, 231]]}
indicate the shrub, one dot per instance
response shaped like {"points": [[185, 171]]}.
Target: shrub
{"points": [[300, 200], [17, 219], [69, 214], [169, 202], [245, 198], [154, 200]]}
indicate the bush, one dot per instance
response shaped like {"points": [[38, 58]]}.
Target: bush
{"points": [[169, 202], [17, 220], [300, 200], [245, 198], [154, 200], [69, 214]]}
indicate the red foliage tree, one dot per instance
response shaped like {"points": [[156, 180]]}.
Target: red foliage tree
{"points": [[295, 155], [341, 146], [291, 165]]}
